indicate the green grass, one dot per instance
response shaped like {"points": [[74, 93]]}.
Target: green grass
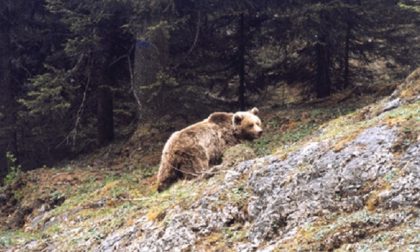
{"points": [[294, 125], [409, 7], [10, 238]]}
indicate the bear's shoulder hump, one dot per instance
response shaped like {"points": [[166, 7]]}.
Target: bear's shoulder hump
{"points": [[220, 117]]}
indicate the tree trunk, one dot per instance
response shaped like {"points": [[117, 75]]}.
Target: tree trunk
{"points": [[349, 29], [347, 56], [105, 115], [241, 89], [323, 80], [7, 102]]}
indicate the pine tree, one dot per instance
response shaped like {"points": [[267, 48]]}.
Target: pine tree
{"points": [[94, 48], [7, 113]]}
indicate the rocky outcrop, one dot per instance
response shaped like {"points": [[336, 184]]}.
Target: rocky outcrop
{"points": [[364, 194], [363, 189], [344, 199]]}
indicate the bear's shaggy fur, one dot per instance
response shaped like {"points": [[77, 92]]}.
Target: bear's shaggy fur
{"points": [[190, 151]]}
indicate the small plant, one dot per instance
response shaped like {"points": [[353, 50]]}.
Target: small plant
{"points": [[14, 170]]}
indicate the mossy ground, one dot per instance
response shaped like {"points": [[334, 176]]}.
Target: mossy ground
{"points": [[285, 129], [99, 204]]}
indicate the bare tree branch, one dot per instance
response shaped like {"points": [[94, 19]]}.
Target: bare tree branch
{"points": [[197, 34]]}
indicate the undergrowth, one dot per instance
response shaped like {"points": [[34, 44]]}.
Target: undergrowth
{"points": [[287, 127], [14, 170]]}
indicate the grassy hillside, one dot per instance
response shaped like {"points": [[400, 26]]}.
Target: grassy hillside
{"points": [[109, 198]]}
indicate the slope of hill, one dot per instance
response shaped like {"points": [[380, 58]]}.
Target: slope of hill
{"points": [[349, 183]]}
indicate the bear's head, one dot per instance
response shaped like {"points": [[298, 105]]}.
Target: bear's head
{"points": [[247, 125]]}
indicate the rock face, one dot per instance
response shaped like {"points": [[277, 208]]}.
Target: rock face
{"points": [[357, 193], [327, 183]]}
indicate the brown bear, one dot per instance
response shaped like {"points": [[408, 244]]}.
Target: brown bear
{"points": [[190, 151]]}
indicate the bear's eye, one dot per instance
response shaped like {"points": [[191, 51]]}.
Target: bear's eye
{"points": [[250, 125]]}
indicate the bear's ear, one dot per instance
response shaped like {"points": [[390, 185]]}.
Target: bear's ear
{"points": [[237, 119], [255, 111]]}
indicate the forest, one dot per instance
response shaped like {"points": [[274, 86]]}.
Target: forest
{"points": [[90, 91], [77, 75]]}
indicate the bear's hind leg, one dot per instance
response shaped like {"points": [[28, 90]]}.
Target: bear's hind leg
{"points": [[193, 166]]}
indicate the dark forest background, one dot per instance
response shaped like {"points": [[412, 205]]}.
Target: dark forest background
{"points": [[76, 75]]}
